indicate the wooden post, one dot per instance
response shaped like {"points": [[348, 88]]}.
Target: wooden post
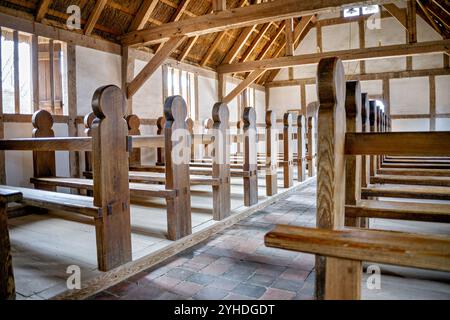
{"points": [[208, 125], [353, 163], [365, 127], [190, 126], [311, 146], [7, 284], [87, 121], [335, 278], [2, 126], [35, 71], [271, 153], [288, 163], [74, 156], [301, 148], [110, 172], [221, 161], [177, 137], [44, 164], [160, 123], [133, 123], [373, 128], [378, 124], [250, 166]]}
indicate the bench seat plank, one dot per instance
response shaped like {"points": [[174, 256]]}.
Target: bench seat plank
{"points": [[137, 189], [411, 180], [156, 177], [390, 247], [195, 171], [8, 195], [415, 172], [401, 191], [57, 201], [416, 165], [399, 210]]}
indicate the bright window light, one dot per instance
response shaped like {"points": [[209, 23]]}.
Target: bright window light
{"points": [[351, 12], [370, 9]]}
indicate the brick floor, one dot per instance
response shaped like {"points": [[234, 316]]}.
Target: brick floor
{"points": [[234, 264]]}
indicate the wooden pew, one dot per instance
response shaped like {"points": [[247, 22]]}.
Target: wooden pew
{"points": [[271, 154], [110, 206], [176, 188], [301, 148], [340, 251], [7, 284]]}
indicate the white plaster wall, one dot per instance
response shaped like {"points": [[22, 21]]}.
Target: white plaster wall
{"points": [[442, 94], [148, 100], [19, 164], [311, 93], [411, 125], [283, 99], [372, 87], [260, 106], [207, 97], [443, 124], [409, 96], [340, 37], [94, 69]]}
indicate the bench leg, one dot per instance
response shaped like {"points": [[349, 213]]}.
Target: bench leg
{"points": [[343, 279], [288, 172], [179, 221], [221, 200], [250, 190], [7, 285], [113, 235], [271, 184]]}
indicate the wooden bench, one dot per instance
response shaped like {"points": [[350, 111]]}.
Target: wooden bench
{"points": [[340, 251], [7, 284], [110, 205], [176, 190]]}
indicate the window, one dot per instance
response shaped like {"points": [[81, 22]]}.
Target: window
{"points": [[354, 12], [180, 82], [351, 12], [21, 80]]}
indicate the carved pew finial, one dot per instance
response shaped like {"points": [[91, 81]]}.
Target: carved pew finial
{"points": [[271, 153], [87, 121], [207, 125], [133, 124], [110, 172], [160, 123], [190, 125], [44, 162], [250, 157], [177, 167], [221, 160]]}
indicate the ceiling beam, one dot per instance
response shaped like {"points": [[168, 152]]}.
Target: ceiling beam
{"points": [[397, 13], [153, 64], [243, 85], [237, 18], [411, 21], [93, 17], [145, 11], [42, 9], [439, 46]]}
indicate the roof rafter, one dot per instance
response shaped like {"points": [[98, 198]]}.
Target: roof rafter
{"points": [[42, 9], [93, 17], [143, 15], [237, 18]]}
